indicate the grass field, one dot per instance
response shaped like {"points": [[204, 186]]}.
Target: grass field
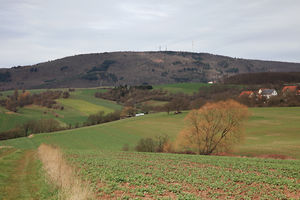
{"points": [[268, 131], [9, 120], [188, 88], [22, 176], [77, 108], [273, 131], [95, 151]]}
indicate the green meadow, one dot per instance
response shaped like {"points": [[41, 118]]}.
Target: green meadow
{"points": [[96, 154], [77, 108], [188, 88], [22, 176], [268, 131]]}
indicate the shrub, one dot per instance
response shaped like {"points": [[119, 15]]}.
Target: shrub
{"points": [[146, 145], [13, 133], [125, 147], [100, 118], [159, 144], [66, 95]]}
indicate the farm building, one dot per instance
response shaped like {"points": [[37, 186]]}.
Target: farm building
{"points": [[261, 89], [292, 88], [249, 94], [268, 93]]}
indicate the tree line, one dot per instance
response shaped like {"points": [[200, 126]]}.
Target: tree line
{"points": [[32, 127], [134, 98], [264, 78]]}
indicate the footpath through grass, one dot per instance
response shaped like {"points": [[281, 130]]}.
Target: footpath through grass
{"points": [[22, 177]]}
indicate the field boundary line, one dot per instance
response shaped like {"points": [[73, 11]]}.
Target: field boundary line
{"points": [[63, 175]]}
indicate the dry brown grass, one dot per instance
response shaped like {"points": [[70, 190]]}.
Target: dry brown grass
{"points": [[63, 175], [5, 147]]}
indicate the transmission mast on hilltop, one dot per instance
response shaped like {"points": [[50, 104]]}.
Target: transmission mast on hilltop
{"points": [[192, 45]]}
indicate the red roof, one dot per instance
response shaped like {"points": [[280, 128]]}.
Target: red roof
{"points": [[246, 93], [292, 88]]}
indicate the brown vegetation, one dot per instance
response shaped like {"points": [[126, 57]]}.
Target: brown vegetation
{"points": [[46, 99], [264, 78], [215, 127], [100, 118], [132, 95], [62, 174]]}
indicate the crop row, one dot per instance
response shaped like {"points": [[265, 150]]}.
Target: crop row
{"points": [[123, 175]]}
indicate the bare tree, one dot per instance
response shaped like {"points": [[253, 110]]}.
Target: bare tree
{"points": [[213, 128]]}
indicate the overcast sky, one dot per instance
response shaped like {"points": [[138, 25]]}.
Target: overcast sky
{"points": [[33, 31]]}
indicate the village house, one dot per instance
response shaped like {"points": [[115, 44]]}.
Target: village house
{"points": [[291, 89], [268, 93], [260, 90]]}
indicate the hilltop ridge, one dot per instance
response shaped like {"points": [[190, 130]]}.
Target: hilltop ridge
{"points": [[133, 68]]}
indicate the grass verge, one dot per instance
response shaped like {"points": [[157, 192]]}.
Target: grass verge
{"points": [[62, 175], [22, 177]]}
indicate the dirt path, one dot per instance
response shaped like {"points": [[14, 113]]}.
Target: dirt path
{"points": [[23, 176], [25, 180]]}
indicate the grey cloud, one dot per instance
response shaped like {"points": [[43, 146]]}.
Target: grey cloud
{"points": [[32, 31]]}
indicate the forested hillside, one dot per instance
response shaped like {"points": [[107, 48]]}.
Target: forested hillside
{"points": [[133, 68]]}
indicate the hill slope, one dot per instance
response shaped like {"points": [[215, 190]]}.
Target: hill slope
{"points": [[268, 131], [77, 108], [264, 78], [133, 68], [113, 174]]}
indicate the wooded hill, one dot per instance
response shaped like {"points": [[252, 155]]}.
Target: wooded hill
{"points": [[133, 68], [264, 78]]}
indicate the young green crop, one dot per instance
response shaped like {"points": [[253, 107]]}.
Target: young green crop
{"points": [[149, 175]]}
